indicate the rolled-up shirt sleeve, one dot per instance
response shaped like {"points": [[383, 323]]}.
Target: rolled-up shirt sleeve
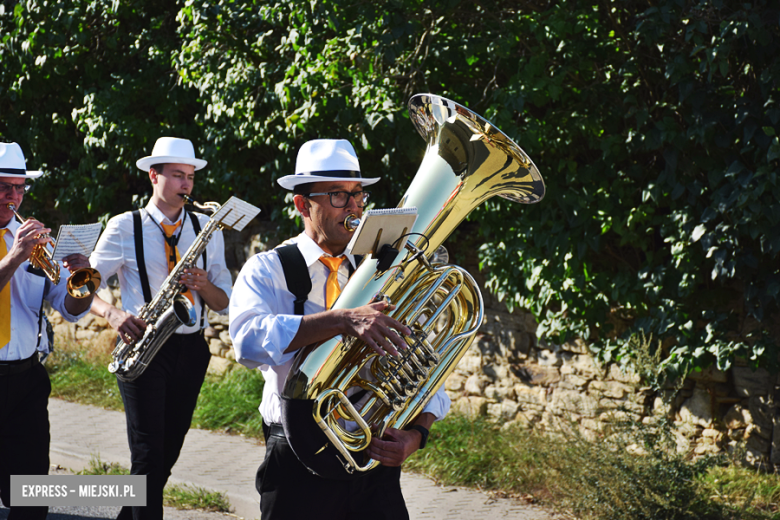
{"points": [[56, 294], [260, 333], [108, 255], [439, 405], [218, 273]]}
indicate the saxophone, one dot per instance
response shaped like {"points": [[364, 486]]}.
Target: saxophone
{"points": [[167, 311]]}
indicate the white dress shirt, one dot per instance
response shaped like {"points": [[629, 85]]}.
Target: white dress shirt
{"points": [[115, 254], [262, 323], [27, 293]]}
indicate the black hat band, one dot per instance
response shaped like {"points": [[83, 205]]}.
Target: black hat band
{"points": [[346, 174], [14, 171]]}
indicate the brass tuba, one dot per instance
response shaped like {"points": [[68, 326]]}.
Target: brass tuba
{"points": [[468, 161], [82, 283]]}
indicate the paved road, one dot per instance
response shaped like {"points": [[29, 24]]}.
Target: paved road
{"points": [[227, 463]]}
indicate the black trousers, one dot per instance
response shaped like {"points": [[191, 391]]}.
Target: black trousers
{"points": [[24, 432], [289, 491], [158, 408]]}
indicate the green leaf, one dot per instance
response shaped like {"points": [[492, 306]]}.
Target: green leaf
{"points": [[774, 150], [698, 232]]}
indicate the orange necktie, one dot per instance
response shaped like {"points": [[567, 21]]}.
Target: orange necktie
{"points": [[5, 300], [332, 287], [172, 254]]}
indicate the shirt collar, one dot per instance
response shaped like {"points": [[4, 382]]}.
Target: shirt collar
{"points": [[312, 252], [13, 226], [159, 216]]}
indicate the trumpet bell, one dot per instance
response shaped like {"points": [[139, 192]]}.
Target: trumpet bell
{"points": [[84, 282]]}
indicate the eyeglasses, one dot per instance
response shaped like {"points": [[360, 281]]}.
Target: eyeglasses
{"points": [[21, 189], [340, 199]]}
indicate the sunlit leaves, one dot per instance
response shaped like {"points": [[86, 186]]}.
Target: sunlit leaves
{"points": [[655, 128]]}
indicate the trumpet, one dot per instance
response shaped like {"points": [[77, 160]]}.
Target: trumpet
{"points": [[82, 283]]}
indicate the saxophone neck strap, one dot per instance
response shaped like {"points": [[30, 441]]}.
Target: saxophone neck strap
{"points": [[173, 240], [138, 236]]}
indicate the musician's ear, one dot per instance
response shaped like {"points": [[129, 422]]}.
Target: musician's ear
{"points": [[302, 204]]}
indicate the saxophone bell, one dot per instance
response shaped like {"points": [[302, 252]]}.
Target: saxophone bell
{"points": [[130, 359]]}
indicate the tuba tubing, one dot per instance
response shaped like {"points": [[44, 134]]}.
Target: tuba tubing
{"points": [[467, 161]]}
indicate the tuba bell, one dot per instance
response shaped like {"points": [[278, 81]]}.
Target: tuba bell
{"points": [[82, 283], [467, 162]]}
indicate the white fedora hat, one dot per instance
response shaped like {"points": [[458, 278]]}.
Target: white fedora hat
{"points": [[325, 160], [171, 150], [12, 163]]}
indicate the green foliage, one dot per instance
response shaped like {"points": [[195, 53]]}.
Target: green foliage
{"points": [[640, 475], [739, 485], [663, 205], [86, 87], [475, 453], [96, 466], [183, 496], [229, 402], [655, 128], [79, 376], [629, 471]]}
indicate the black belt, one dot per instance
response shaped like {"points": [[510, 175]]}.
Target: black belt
{"points": [[9, 368], [275, 430]]}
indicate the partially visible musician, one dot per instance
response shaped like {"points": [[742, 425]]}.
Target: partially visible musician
{"points": [[142, 247], [24, 383], [267, 327]]}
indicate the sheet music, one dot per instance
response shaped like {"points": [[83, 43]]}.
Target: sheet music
{"points": [[236, 213], [379, 227], [76, 238]]}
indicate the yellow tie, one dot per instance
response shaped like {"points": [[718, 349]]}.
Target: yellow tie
{"points": [[172, 254], [5, 300], [332, 287]]}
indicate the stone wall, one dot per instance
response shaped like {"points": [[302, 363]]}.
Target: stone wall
{"points": [[510, 376]]}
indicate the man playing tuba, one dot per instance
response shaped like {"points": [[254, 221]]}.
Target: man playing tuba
{"points": [[142, 247], [268, 326], [24, 383]]}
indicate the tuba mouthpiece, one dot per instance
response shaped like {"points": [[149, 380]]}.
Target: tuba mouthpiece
{"points": [[352, 222]]}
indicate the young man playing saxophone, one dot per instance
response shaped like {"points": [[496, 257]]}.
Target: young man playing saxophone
{"points": [[267, 328], [24, 383], [159, 404]]}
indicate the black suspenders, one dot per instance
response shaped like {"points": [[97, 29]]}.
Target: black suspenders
{"points": [[139, 257], [138, 235], [296, 274]]}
